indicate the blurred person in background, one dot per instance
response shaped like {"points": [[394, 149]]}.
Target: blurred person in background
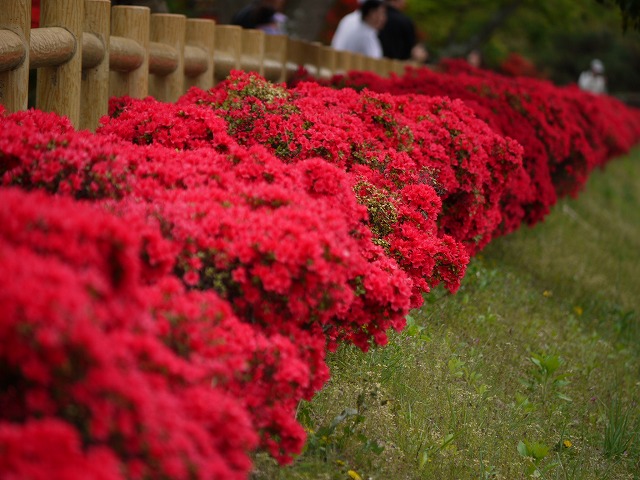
{"points": [[593, 80], [398, 37], [348, 23], [262, 14], [271, 21], [362, 36], [474, 58]]}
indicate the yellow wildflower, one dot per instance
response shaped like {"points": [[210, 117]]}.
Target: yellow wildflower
{"points": [[354, 475], [578, 310], [547, 293], [567, 444]]}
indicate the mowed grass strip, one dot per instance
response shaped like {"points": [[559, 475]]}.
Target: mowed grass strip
{"points": [[532, 370]]}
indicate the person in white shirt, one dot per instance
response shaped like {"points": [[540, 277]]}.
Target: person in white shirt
{"points": [[346, 24], [593, 80], [360, 33]]}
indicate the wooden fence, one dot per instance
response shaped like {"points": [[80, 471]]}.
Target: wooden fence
{"points": [[86, 51]]}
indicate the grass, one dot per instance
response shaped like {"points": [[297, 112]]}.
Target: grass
{"points": [[532, 370]]}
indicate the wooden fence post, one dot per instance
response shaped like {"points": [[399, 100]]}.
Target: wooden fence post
{"points": [[384, 67], [311, 57], [201, 34], [131, 23], [343, 62], [14, 83], [227, 52], [357, 61], [388, 66], [398, 67], [59, 87], [275, 58], [370, 64], [294, 57], [168, 29], [252, 56], [95, 80], [328, 62]]}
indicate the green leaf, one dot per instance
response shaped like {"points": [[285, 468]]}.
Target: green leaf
{"points": [[424, 458], [448, 439], [536, 362], [522, 449], [551, 363], [534, 450], [410, 320], [538, 450]]}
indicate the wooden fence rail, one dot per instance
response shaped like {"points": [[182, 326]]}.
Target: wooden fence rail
{"points": [[86, 51]]}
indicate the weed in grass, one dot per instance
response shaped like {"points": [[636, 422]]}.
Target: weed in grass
{"points": [[524, 405], [460, 369], [621, 429], [429, 452], [415, 330], [626, 324], [535, 454], [487, 472], [544, 377]]}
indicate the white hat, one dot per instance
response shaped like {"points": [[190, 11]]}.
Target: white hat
{"points": [[597, 66]]}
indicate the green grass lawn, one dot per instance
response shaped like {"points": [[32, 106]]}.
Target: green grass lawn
{"points": [[532, 370]]}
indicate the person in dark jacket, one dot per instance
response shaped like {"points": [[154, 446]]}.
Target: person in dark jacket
{"points": [[398, 37], [253, 15]]}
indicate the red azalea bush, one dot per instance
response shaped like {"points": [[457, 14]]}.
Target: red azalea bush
{"points": [[565, 132], [78, 331], [305, 125], [390, 144], [171, 283], [268, 237], [516, 65], [364, 134], [393, 144], [290, 239], [273, 365]]}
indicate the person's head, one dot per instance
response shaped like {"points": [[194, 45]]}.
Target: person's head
{"points": [[277, 5], [597, 67], [474, 57], [374, 13], [397, 4], [265, 16]]}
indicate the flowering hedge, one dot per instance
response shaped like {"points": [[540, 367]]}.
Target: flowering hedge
{"points": [[565, 132], [171, 283]]}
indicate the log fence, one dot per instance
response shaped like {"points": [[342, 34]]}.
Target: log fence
{"points": [[86, 51]]}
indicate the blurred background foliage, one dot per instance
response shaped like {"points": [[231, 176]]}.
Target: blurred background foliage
{"points": [[553, 39], [560, 37]]}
